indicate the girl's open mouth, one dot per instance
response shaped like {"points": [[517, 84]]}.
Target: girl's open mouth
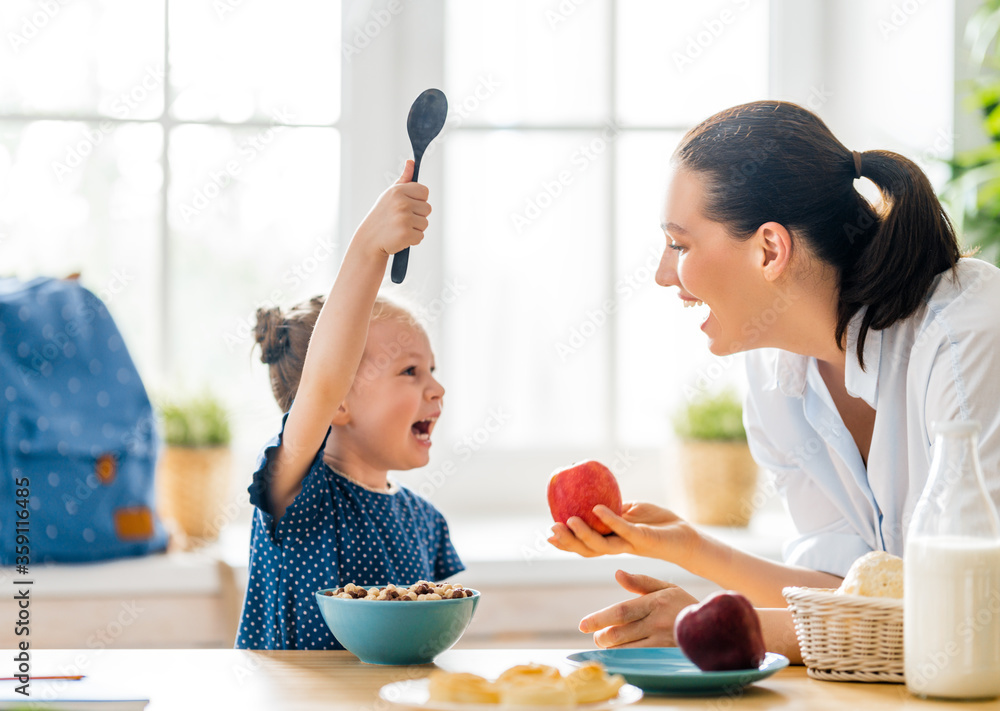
{"points": [[422, 429]]}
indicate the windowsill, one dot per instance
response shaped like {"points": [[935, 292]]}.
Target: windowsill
{"points": [[514, 551], [497, 552]]}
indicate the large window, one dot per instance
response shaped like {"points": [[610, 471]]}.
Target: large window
{"points": [[196, 159], [184, 157], [556, 342], [553, 183], [193, 160]]}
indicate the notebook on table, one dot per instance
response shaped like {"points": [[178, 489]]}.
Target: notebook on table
{"points": [[85, 694]]}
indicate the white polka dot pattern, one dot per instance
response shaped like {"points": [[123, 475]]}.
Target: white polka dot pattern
{"points": [[334, 533]]}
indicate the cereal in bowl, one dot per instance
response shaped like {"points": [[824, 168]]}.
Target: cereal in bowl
{"points": [[420, 590]]}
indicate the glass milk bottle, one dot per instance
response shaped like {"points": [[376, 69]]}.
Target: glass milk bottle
{"points": [[951, 608]]}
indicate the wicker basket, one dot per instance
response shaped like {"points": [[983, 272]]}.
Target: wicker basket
{"points": [[848, 637]]}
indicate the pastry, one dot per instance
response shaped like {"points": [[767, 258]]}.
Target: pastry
{"points": [[537, 691], [530, 672], [875, 574], [461, 688], [591, 683]]}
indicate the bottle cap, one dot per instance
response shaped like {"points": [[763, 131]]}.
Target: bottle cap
{"points": [[956, 427]]}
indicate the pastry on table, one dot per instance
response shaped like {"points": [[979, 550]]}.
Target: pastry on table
{"points": [[531, 672], [537, 691], [591, 683], [462, 688]]}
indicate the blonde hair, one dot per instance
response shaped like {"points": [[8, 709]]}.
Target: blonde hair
{"points": [[283, 338]]}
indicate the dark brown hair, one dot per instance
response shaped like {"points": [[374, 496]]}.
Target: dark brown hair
{"points": [[773, 161], [283, 338]]}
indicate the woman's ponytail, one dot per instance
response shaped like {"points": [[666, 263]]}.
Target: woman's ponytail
{"points": [[910, 244]]}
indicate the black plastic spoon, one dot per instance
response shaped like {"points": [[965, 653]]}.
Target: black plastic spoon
{"points": [[424, 122]]}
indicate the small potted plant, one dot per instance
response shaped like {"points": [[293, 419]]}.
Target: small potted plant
{"points": [[719, 476], [195, 471]]}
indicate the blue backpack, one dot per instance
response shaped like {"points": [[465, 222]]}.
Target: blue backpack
{"points": [[78, 443]]}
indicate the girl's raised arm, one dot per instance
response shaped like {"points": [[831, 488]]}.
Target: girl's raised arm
{"points": [[397, 220]]}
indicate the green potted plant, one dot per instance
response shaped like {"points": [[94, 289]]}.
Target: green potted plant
{"points": [[973, 191], [718, 474], [195, 469]]}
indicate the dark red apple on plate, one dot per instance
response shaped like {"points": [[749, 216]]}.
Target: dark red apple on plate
{"points": [[721, 633], [577, 489]]}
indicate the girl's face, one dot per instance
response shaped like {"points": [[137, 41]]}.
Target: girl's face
{"points": [[395, 400], [711, 269]]}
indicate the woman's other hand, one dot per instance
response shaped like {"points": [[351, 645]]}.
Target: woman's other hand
{"points": [[642, 529], [646, 621]]}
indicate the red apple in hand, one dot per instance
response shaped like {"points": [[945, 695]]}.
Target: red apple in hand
{"points": [[577, 489], [720, 633]]}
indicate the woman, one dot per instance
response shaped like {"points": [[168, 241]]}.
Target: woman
{"points": [[863, 325]]}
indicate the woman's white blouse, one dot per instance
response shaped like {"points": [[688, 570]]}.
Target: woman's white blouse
{"points": [[941, 363]]}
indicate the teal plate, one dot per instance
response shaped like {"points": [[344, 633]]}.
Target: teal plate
{"points": [[665, 670]]}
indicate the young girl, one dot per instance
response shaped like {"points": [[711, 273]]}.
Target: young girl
{"points": [[355, 377], [864, 325]]}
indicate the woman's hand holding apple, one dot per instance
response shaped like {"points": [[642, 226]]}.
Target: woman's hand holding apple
{"points": [[642, 529]]}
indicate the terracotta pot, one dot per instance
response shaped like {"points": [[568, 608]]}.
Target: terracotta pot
{"points": [[720, 479], [191, 488]]}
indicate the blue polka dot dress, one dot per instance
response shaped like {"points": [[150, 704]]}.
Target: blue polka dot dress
{"points": [[335, 532]]}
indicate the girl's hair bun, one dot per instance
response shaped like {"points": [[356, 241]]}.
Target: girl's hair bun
{"points": [[272, 335]]}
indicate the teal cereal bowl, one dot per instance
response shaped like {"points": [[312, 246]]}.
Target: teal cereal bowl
{"points": [[397, 632]]}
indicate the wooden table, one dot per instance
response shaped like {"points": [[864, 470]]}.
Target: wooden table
{"points": [[248, 681]]}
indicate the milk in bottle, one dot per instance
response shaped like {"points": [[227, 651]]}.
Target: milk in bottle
{"points": [[951, 564]]}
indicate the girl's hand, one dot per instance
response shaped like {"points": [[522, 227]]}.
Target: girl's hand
{"points": [[646, 621], [642, 529], [398, 218]]}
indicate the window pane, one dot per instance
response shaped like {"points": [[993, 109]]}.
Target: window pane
{"points": [[544, 63], [93, 58], [661, 350], [75, 197], [264, 61], [252, 218], [680, 63], [525, 244]]}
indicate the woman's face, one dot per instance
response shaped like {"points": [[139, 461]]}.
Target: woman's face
{"points": [[709, 267]]}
